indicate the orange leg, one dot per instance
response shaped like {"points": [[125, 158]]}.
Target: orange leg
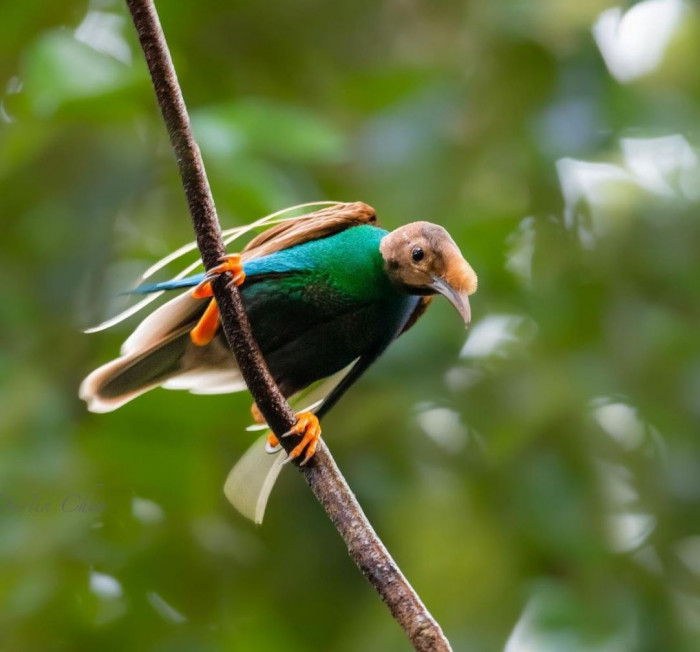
{"points": [[203, 290], [257, 414], [308, 426], [272, 444], [206, 327]]}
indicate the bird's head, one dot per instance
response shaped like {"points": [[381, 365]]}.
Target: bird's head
{"points": [[422, 258]]}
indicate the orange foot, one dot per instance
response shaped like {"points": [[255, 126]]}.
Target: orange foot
{"points": [[208, 324], [308, 426], [272, 444]]}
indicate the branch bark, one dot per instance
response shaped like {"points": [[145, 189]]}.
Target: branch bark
{"points": [[322, 474]]}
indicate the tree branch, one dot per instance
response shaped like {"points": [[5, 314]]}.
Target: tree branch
{"points": [[322, 474]]}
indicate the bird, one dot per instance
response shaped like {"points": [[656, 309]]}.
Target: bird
{"points": [[326, 293]]}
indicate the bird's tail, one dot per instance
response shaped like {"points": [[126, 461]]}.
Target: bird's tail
{"points": [[161, 353], [250, 482], [129, 376]]}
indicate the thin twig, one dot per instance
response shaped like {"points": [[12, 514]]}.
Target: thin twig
{"points": [[322, 474]]}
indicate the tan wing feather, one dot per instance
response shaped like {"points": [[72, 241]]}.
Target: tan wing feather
{"points": [[316, 225]]}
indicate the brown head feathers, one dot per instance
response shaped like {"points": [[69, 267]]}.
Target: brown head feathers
{"points": [[422, 258]]}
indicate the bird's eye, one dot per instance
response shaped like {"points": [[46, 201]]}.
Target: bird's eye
{"points": [[417, 254]]}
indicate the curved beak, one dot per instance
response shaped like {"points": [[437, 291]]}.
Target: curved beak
{"points": [[459, 299], [457, 283]]}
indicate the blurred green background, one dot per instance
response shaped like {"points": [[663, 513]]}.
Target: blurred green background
{"points": [[537, 479]]}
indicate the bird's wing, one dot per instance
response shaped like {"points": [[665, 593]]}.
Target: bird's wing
{"points": [[283, 235], [313, 226]]}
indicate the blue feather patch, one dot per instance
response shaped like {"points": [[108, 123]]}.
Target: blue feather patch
{"points": [[188, 282]]}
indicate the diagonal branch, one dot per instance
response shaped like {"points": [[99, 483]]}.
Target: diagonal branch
{"points": [[322, 474]]}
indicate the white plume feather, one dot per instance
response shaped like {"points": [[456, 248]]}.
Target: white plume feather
{"points": [[251, 480]]}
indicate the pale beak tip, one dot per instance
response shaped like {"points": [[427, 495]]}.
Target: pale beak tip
{"points": [[460, 300]]}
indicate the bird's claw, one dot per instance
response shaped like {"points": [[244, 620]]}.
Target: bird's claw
{"points": [[229, 263], [308, 427], [208, 324]]}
